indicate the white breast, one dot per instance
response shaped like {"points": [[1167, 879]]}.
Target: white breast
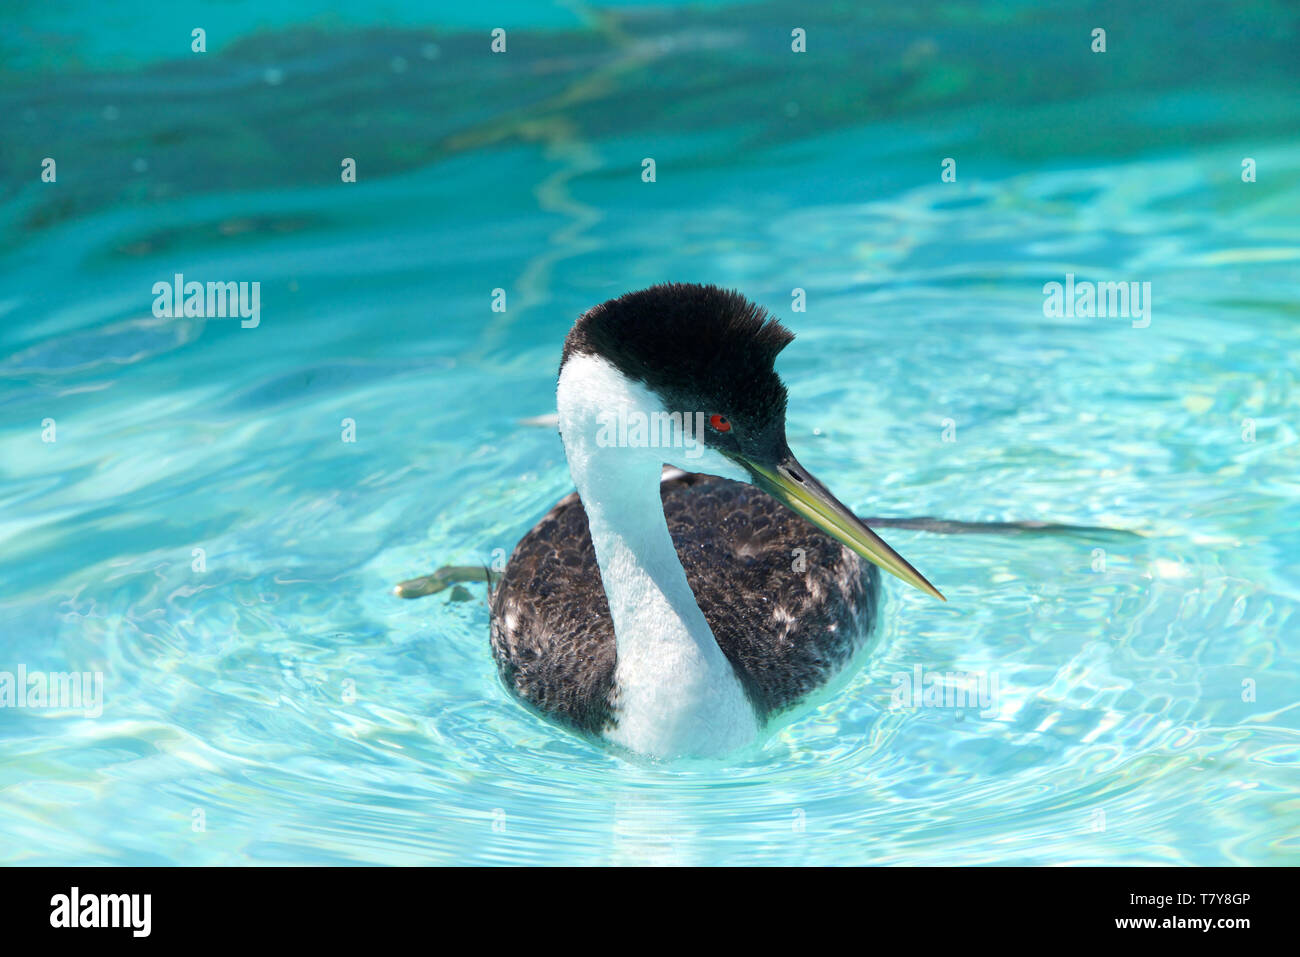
{"points": [[676, 694]]}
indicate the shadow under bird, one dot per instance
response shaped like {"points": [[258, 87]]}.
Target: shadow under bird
{"points": [[661, 610]]}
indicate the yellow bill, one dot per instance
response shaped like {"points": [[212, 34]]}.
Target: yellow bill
{"points": [[794, 487]]}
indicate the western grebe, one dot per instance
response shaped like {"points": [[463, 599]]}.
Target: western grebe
{"points": [[673, 613]]}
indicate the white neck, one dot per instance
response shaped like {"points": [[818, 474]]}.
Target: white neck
{"points": [[676, 693]]}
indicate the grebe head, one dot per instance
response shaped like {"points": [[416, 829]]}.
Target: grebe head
{"points": [[704, 357]]}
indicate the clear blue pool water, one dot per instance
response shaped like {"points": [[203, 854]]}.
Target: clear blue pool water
{"points": [[1146, 709]]}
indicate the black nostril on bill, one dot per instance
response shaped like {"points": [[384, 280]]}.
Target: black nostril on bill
{"points": [[792, 474]]}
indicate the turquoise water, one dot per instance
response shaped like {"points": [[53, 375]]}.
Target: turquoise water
{"points": [[280, 706]]}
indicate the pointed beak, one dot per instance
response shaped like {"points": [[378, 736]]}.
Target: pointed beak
{"points": [[794, 487]]}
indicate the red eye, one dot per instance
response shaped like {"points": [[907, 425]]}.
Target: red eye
{"points": [[719, 422]]}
